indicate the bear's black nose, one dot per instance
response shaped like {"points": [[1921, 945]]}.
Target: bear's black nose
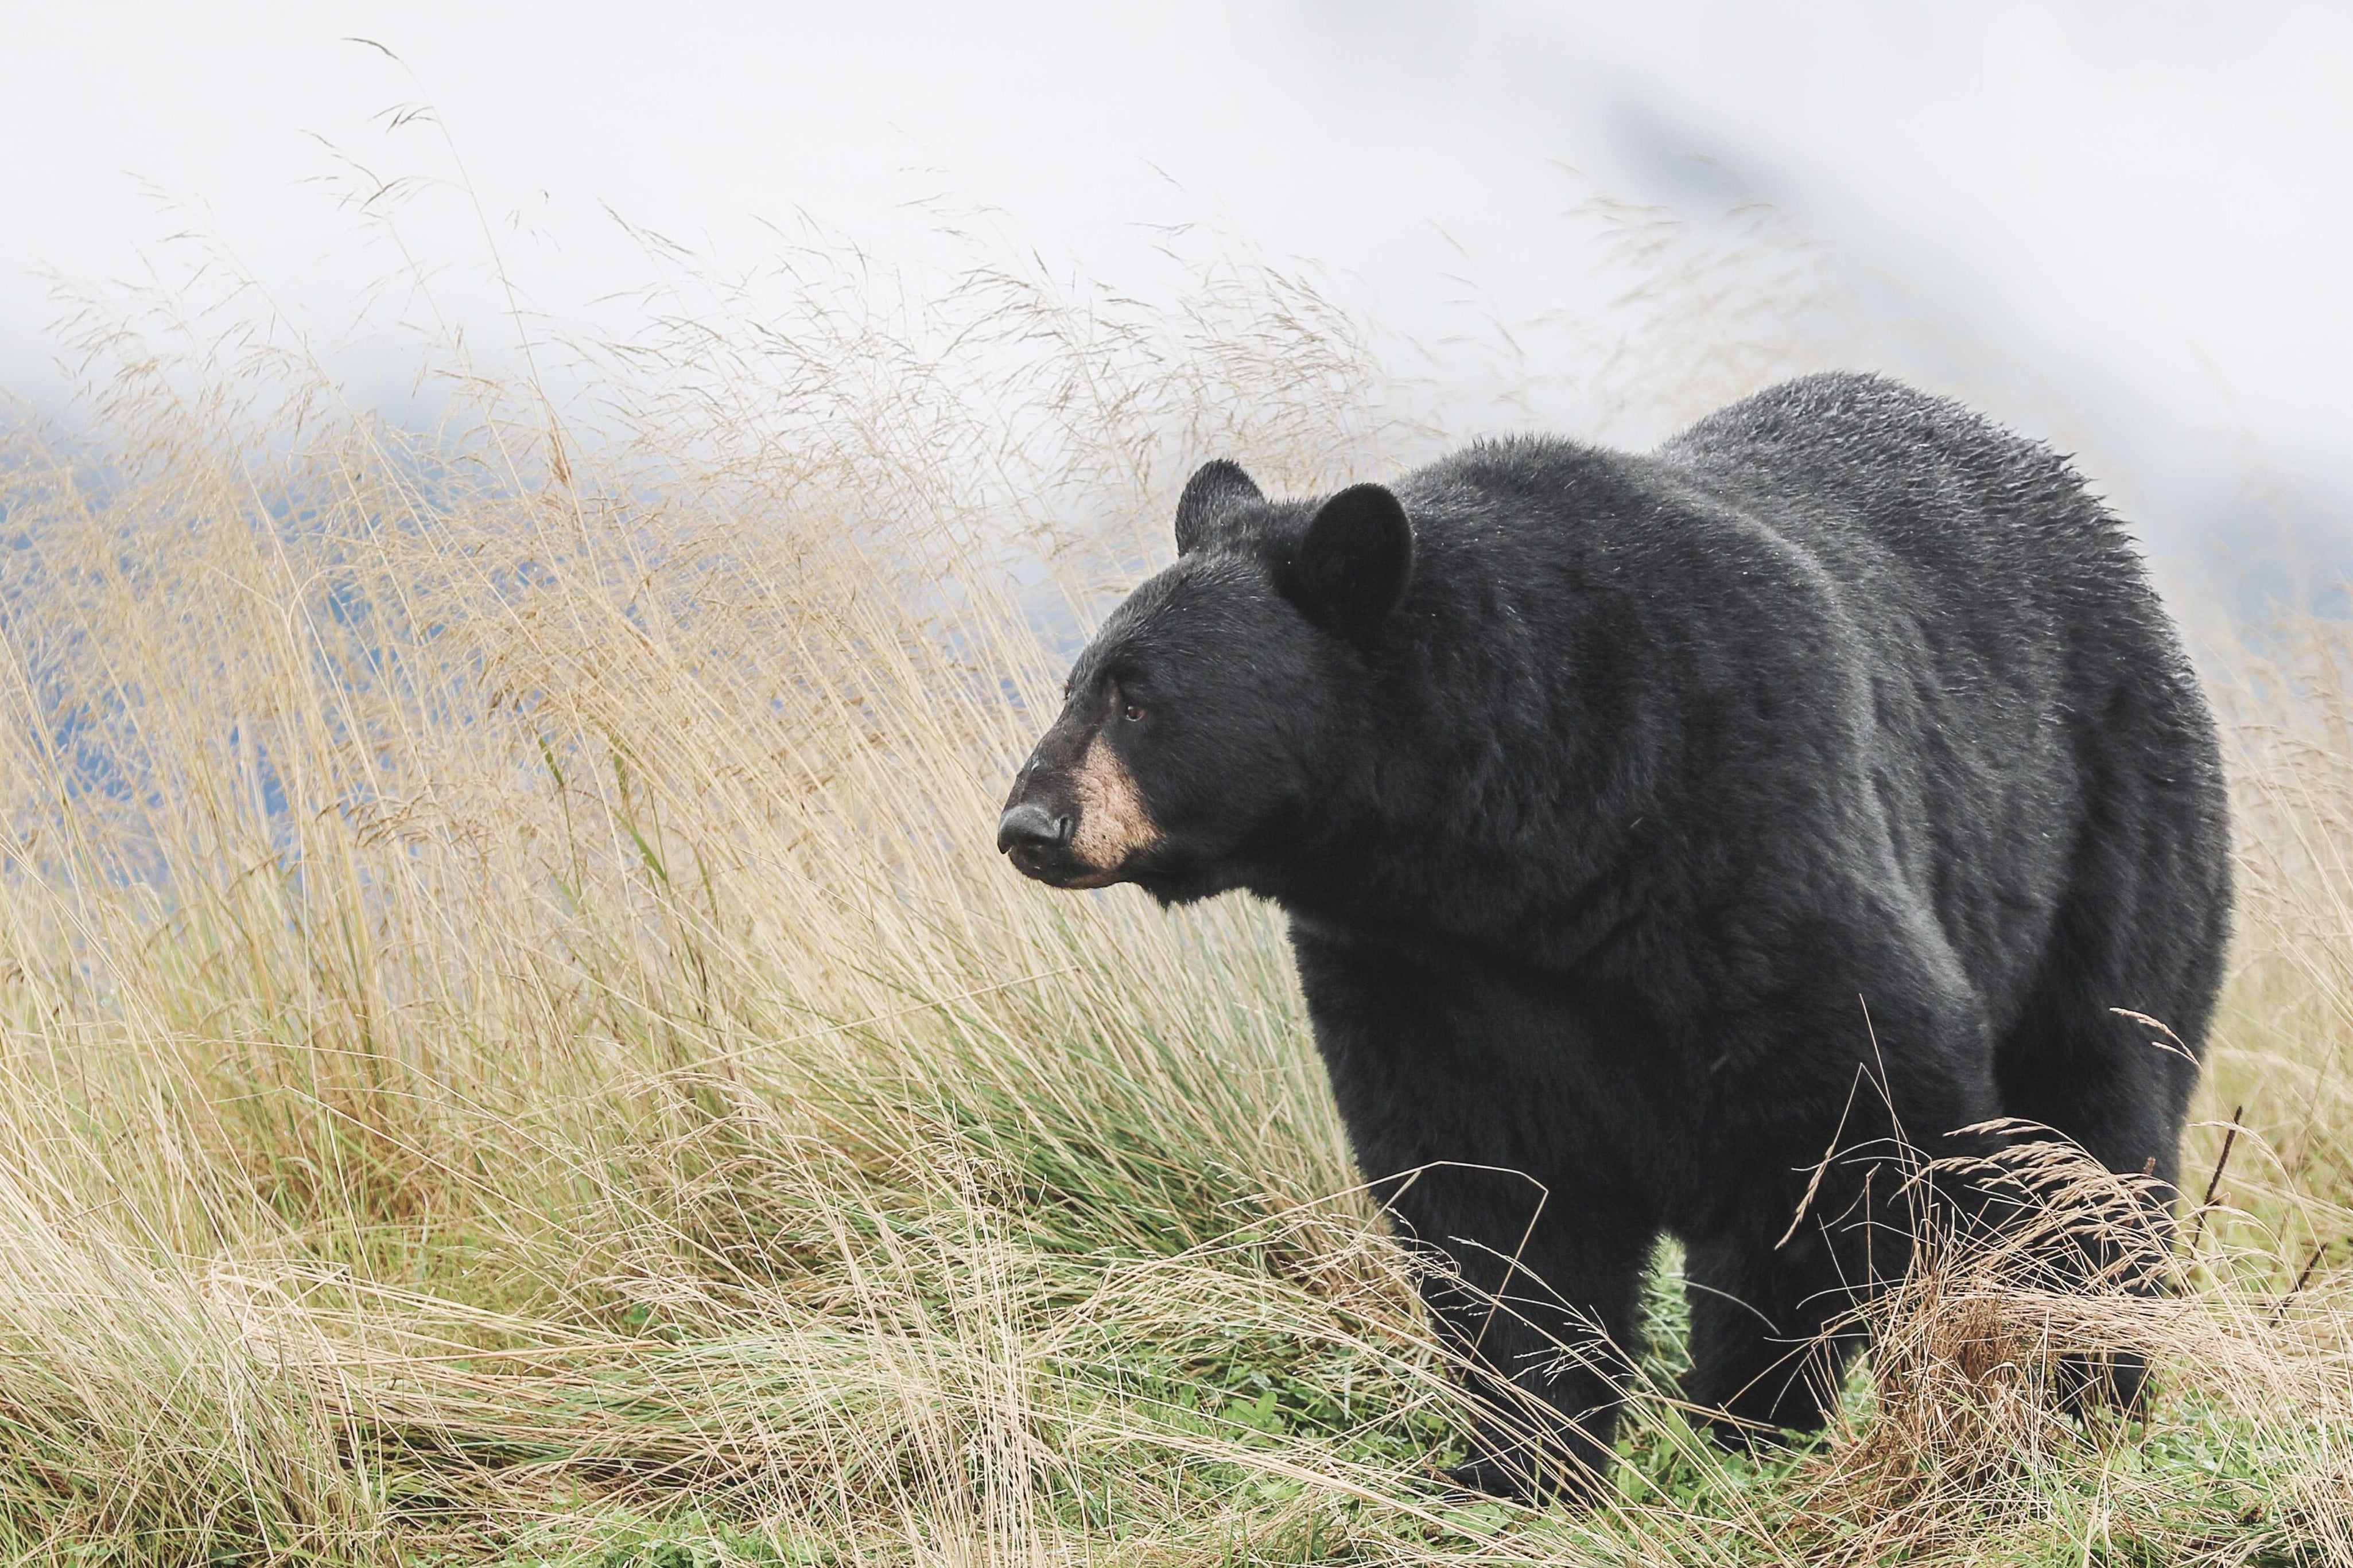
{"points": [[1029, 824]]}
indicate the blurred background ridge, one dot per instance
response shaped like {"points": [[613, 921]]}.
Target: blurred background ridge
{"points": [[2117, 227]]}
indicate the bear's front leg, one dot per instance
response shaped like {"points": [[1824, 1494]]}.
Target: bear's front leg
{"points": [[1771, 1331], [1840, 1094], [1539, 1308], [1533, 1281]]}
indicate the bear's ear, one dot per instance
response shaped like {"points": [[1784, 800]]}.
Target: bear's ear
{"points": [[1214, 487], [1353, 564]]}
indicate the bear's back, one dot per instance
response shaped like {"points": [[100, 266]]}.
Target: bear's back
{"points": [[1921, 501], [2026, 678], [1839, 567]]}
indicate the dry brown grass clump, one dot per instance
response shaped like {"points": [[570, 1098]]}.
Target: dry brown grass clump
{"points": [[1978, 1358]]}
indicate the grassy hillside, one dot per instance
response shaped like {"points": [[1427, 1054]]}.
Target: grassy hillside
{"points": [[515, 1046]]}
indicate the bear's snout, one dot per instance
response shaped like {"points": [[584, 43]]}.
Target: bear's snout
{"points": [[1076, 823], [1040, 825], [1029, 825]]}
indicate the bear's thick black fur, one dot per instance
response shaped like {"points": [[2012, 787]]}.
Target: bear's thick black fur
{"points": [[1650, 824]]}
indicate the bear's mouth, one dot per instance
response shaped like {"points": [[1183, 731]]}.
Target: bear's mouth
{"points": [[1044, 847], [1056, 867]]}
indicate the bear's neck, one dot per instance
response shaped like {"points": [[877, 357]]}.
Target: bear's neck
{"points": [[1484, 806]]}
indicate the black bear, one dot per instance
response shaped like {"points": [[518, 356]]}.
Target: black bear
{"points": [[1648, 826]]}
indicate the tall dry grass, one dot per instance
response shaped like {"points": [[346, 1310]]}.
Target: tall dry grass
{"points": [[517, 1044]]}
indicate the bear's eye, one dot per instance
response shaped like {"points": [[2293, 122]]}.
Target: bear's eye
{"points": [[1133, 713]]}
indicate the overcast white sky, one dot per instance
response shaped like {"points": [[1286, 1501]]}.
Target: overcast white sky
{"points": [[2124, 224]]}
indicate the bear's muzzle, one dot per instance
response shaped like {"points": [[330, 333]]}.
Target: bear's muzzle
{"points": [[1076, 827]]}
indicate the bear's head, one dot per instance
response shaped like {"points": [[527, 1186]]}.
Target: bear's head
{"points": [[1186, 755]]}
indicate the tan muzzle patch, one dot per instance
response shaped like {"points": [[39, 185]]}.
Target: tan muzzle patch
{"points": [[1114, 822]]}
